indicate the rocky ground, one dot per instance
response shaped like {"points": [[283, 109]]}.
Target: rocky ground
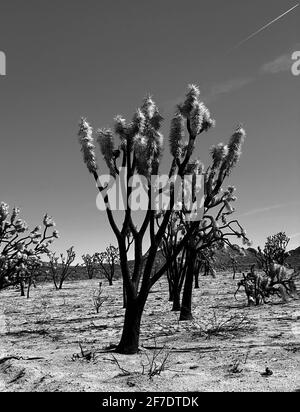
{"points": [[227, 347]]}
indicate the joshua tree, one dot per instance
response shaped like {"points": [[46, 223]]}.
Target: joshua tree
{"points": [[214, 232], [211, 235], [274, 251], [21, 249], [139, 153], [206, 259], [234, 264], [275, 248], [107, 261], [176, 270], [90, 263], [61, 270], [277, 278]]}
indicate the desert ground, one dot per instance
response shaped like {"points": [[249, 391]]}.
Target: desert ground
{"points": [[227, 347]]}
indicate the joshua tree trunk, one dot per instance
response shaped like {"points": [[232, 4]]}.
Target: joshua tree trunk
{"points": [[55, 284], [186, 305], [171, 285], [28, 287], [61, 284], [197, 280], [129, 343], [22, 287], [124, 297], [176, 300]]}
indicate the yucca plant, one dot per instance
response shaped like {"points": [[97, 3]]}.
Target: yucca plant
{"points": [[21, 249], [107, 262], [90, 264], [139, 152], [61, 267]]}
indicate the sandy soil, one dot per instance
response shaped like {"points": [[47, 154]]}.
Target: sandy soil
{"points": [[39, 341]]}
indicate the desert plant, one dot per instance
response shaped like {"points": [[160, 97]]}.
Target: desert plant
{"points": [[157, 361], [176, 270], [90, 264], [275, 248], [153, 363], [107, 262], [98, 299], [222, 325], [213, 233], [277, 278], [61, 268], [260, 286], [140, 153], [237, 365], [86, 355], [206, 258], [21, 249], [234, 263], [274, 251]]}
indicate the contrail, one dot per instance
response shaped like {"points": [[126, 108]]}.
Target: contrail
{"points": [[264, 27]]}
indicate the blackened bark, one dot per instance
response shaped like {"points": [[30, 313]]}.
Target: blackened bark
{"points": [[129, 343], [197, 280], [171, 287], [124, 298], [22, 287], [176, 301], [186, 305], [28, 288]]}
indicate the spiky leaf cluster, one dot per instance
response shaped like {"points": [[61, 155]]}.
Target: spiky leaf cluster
{"points": [[86, 141]]}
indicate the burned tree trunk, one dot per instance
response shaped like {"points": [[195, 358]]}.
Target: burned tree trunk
{"points": [[129, 343], [186, 304]]}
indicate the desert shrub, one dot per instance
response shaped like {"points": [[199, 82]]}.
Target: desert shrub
{"points": [[222, 325], [98, 298], [156, 361], [153, 362]]}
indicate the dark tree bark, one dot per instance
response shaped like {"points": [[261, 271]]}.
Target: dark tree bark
{"points": [[28, 287], [197, 280], [170, 285], [186, 304], [129, 343], [22, 287], [176, 301], [139, 280], [124, 297]]}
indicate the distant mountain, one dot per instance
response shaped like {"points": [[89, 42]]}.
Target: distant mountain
{"points": [[223, 261], [294, 258]]}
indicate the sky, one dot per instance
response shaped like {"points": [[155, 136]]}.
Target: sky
{"points": [[71, 58]]}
